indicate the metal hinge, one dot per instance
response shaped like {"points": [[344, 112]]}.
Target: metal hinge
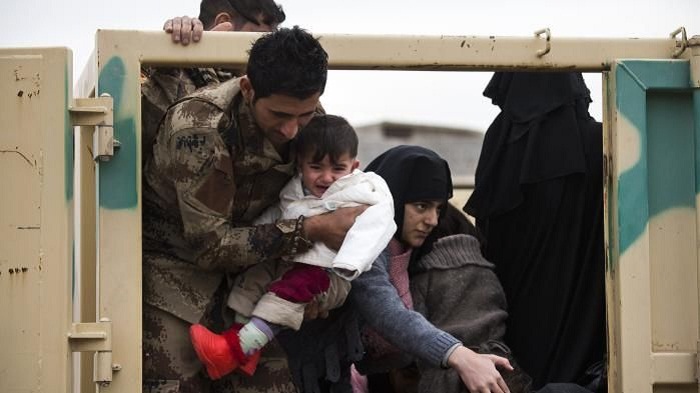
{"points": [[97, 112], [95, 337]]}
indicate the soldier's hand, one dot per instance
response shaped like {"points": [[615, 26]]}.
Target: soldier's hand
{"points": [[330, 228], [183, 29]]}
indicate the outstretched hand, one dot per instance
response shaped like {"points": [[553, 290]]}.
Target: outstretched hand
{"points": [[183, 29], [479, 372]]}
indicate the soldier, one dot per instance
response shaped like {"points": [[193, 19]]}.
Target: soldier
{"points": [[221, 157], [162, 86]]}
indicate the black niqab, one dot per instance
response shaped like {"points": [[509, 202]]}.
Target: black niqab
{"points": [[538, 200]]}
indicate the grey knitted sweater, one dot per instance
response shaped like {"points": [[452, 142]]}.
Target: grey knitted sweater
{"points": [[457, 290], [381, 308]]}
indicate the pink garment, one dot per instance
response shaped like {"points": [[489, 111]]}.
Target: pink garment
{"points": [[399, 257], [358, 381], [398, 271]]}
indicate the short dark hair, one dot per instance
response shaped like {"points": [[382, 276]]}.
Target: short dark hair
{"points": [[246, 10], [290, 62], [327, 135]]}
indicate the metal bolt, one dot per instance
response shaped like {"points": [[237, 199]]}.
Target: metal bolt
{"points": [[25, 269], [11, 271]]}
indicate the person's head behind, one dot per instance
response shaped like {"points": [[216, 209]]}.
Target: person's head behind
{"points": [[244, 15], [285, 76], [326, 151], [421, 183]]}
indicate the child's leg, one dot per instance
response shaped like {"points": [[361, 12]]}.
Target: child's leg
{"points": [[287, 297], [250, 285], [216, 351], [239, 346]]}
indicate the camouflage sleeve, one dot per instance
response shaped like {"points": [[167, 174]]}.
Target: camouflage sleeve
{"points": [[200, 166]]}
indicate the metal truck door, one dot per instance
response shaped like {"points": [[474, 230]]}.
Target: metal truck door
{"points": [[653, 152], [36, 253]]}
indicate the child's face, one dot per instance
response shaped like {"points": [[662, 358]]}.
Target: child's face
{"points": [[318, 176]]}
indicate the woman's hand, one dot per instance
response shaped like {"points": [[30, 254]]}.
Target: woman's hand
{"points": [[479, 371]]}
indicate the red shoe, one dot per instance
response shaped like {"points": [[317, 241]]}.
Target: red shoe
{"points": [[251, 363], [214, 351], [246, 363]]}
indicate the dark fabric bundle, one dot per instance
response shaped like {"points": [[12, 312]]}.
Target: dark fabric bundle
{"points": [[321, 352]]}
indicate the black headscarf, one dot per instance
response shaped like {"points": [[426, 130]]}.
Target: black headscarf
{"points": [[413, 173], [537, 132]]}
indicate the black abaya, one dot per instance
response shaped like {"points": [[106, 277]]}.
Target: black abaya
{"points": [[538, 200]]}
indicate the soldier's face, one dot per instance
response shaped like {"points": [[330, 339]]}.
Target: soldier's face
{"points": [[280, 117]]}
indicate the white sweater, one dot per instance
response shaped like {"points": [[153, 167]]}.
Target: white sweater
{"points": [[365, 240]]}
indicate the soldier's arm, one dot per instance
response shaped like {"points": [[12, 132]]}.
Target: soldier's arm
{"points": [[199, 164]]}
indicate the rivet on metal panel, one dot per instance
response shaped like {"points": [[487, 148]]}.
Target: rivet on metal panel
{"points": [[683, 43], [547, 36]]}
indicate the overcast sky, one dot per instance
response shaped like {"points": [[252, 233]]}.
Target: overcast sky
{"points": [[442, 98]]}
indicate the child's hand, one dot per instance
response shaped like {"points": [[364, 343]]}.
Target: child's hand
{"points": [[313, 311]]}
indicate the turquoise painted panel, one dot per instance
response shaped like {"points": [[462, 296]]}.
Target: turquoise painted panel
{"points": [[660, 74], [655, 97], [671, 151], [632, 202], [118, 187]]}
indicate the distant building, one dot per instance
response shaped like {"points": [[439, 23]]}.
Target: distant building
{"points": [[459, 146]]}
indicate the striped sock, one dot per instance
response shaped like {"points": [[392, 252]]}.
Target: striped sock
{"points": [[252, 337]]}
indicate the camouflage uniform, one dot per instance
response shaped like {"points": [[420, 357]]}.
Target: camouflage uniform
{"points": [[212, 172], [162, 86]]}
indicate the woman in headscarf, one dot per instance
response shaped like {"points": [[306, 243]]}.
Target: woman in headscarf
{"points": [[538, 200], [420, 183]]}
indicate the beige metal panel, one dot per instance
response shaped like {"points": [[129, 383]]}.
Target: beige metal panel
{"points": [[85, 201], [404, 52], [652, 275], [35, 219], [119, 225], [611, 241]]}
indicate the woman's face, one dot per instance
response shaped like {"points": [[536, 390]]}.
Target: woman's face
{"points": [[419, 219]]}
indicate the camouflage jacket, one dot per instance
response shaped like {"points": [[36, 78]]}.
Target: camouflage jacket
{"points": [[212, 172], [163, 86]]}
